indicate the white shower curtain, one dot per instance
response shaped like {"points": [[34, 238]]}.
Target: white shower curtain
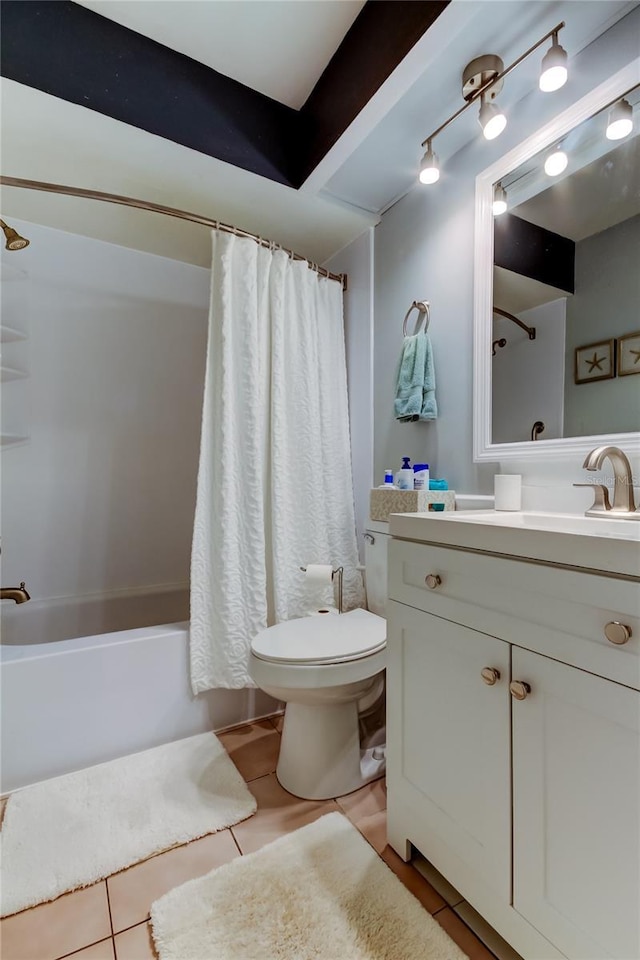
{"points": [[274, 483]]}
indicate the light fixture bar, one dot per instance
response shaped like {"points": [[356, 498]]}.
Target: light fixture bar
{"points": [[491, 83]]}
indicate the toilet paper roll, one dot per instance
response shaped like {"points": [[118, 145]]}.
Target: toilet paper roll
{"points": [[318, 574], [322, 612]]}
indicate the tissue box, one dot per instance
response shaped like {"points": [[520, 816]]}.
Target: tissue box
{"points": [[383, 502]]}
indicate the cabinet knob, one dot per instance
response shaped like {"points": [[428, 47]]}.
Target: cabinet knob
{"points": [[490, 675], [432, 580], [617, 632], [519, 689]]}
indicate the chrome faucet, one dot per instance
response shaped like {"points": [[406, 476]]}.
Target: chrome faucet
{"points": [[19, 594], [623, 507]]}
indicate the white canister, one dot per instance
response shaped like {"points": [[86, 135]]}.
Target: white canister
{"points": [[507, 489]]}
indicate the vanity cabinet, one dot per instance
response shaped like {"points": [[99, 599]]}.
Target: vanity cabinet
{"points": [[529, 807]]}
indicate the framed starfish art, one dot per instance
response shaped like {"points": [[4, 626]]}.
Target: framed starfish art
{"points": [[629, 354], [595, 361]]}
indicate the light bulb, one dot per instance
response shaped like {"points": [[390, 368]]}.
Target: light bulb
{"points": [[491, 119], [429, 169], [553, 71], [499, 200], [556, 163], [620, 122]]}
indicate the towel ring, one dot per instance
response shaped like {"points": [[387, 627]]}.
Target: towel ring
{"points": [[424, 310]]}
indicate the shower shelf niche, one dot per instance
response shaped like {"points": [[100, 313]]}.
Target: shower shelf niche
{"points": [[11, 439], [9, 335], [10, 373]]}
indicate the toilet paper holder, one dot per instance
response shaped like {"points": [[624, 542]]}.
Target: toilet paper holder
{"points": [[336, 575]]}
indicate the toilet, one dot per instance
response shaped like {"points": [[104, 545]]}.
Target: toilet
{"points": [[329, 671]]}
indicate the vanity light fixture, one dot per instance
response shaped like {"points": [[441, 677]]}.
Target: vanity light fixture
{"points": [[482, 79], [491, 119], [556, 163], [620, 123], [429, 168], [499, 200], [553, 71]]}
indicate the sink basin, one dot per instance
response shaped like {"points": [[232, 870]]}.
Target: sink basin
{"points": [[608, 545], [560, 522]]}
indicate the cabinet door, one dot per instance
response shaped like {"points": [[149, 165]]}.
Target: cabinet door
{"points": [[449, 743], [576, 754]]}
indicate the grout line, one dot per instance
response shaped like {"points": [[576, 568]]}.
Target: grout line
{"points": [[109, 906], [235, 840], [261, 777], [139, 923], [86, 947]]}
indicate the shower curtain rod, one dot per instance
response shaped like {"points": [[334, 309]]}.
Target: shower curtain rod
{"points": [[169, 212], [509, 316]]}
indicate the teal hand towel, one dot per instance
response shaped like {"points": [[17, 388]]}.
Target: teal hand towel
{"points": [[408, 402], [416, 382], [429, 408]]}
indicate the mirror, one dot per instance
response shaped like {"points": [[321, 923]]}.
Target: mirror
{"points": [[557, 304]]}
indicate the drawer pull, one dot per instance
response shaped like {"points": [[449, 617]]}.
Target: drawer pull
{"points": [[617, 632], [432, 580], [519, 689], [490, 675]]}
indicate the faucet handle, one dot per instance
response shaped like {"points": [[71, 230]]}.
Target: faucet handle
{"points": [[601, 501]]}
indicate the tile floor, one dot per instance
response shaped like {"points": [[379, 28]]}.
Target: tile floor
{"points": [[108, 921]]}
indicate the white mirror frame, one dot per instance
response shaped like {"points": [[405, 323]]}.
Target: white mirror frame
{"points": [[483, 448]]}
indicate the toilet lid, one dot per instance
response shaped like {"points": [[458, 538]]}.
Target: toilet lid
{"points": [[322, 639]]}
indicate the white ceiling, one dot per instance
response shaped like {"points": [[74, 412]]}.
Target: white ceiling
{"points": [[45, 138], [278, 47], [589, 197]]}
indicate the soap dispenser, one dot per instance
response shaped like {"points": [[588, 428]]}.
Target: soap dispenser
{"points": [[404, 476]]}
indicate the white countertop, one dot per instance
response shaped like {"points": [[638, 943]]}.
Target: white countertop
{"points": [[601, 544]]}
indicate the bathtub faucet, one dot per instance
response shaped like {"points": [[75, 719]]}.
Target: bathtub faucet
{"points": [[19, 594]]}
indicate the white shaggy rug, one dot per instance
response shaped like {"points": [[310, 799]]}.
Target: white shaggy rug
{"points": [[320, 893], [72, 831]]}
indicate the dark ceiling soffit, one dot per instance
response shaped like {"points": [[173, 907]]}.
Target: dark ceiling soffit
{"points": [[72, 53], [380, 37], [532, 251]]}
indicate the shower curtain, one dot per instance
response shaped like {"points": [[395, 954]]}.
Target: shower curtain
{"points": [[274, 482]]}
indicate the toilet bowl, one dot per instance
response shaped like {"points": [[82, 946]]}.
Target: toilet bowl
{"points": [[329, 671]]}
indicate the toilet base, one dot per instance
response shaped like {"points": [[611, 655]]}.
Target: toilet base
{"points": [[320, 755]]}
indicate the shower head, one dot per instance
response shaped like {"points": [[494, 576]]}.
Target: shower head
{"points": [[13, 238]]}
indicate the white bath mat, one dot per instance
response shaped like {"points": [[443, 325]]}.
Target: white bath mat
{"points": [[320, 893], [72, 831]]}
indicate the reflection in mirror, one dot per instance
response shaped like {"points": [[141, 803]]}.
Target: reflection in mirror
{"points": [[566, 286]]}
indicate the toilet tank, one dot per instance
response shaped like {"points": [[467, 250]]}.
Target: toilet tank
{"points": [[376, 540]]}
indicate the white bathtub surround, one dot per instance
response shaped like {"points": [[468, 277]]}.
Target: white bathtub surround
{"points": [[322, 888], [74, 703], [74, 830], [274, 485], [114, 349]]}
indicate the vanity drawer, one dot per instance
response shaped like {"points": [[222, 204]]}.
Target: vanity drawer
{"points": [[559, 613]]}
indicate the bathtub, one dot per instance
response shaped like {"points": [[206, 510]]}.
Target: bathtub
{"points": [[65, 618], [68, 704]]}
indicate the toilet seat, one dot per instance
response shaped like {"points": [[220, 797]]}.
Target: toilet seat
{"points": [[319, 640]]}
